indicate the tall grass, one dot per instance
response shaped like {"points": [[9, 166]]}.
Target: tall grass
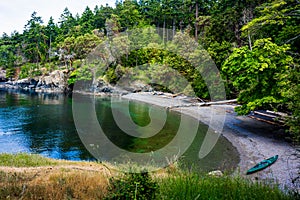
{"points": [[58, 186], [25, 160], [194, 186], [80, 180]]}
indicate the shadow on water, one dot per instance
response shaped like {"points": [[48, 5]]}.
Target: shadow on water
{"points": [[43, 124]]}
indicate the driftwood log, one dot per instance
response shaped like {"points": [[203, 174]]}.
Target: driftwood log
{"points": [[203, 104]]}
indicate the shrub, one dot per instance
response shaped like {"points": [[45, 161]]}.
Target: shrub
{"points": [[10, 72], [29, 70], [132, 186], [81, 74]]}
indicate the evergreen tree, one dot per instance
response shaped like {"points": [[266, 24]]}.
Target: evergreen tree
{"points": [[35, 39], [86, 21]]}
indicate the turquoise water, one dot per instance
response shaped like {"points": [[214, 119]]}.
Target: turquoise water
{"points": [[44, 124]]}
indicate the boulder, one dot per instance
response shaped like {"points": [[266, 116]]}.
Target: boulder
{"points": [[2, 75], [216, 173], [22, 82], [56, 79], [33, 82], [102, 86]]}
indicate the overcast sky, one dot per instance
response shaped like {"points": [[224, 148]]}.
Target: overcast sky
{"points": [[14, 14]]}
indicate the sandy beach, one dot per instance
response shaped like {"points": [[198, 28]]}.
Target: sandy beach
{"points": [[254, 140]]}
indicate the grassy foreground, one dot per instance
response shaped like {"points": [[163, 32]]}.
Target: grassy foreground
{"points": [[24, 176]]}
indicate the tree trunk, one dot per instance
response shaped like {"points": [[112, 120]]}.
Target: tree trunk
{"points": [[181, 26], [250, 43], [164, 29], [196, 22], [247, 17], [174, 28], [237, 34]]}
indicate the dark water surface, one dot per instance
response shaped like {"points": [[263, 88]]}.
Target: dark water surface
{"points": [[44, 124]]}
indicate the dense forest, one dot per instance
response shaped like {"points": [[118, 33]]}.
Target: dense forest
{"points": [[254, 43]]}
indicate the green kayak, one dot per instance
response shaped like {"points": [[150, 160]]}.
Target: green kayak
{"points": [[263, 164]]}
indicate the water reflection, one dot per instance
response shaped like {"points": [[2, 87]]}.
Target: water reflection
{"points": [[43, 124], [39, 123]]}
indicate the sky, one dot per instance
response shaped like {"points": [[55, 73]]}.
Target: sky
{"points": [[14, 14]]}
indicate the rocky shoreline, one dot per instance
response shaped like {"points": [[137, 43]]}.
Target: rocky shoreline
{"points": [[55, 82]]}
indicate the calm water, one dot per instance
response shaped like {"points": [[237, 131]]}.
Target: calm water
{"points": [[43, 124]]}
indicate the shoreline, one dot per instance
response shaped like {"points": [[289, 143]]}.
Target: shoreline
{"points": [[254, 140]]}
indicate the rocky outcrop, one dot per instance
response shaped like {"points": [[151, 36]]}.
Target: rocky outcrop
{"points": [[56, 81], [102, 86]]}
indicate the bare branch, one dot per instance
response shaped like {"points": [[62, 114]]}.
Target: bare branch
{"points": [[294, 38]]}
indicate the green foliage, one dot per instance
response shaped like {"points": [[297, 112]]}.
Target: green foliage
{"points": [[220, 52], [86, 21], [7, 55], [67, 23], [111, 75], [51, 30], [35, 40], [129, 14], [132, 186], [280, 20], [10, 72], [146, 36], [101, 14], [81, 74], [29, 70], [85, 44], [293, 93], [77, 64], [281, 16], [50, 67], [79, 47], [161, 64], [259, 75]]}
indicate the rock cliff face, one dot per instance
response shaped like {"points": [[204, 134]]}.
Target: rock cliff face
{"points": [[56, 81]]}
